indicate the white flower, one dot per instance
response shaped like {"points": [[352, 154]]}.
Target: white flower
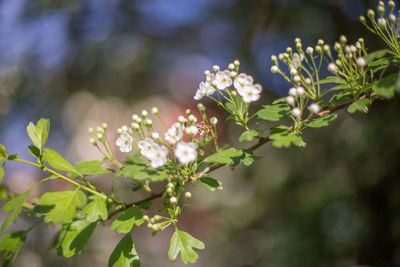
{"points": [[222, 80], [147, 147], [251, 93], [174, 133], [125, 140], [191, 130], [205, 88], [297, 59], [242, 81], [314, 108], [158, 155], [186, 152]]}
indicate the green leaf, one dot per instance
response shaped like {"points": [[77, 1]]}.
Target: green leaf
{"points": [[211, 183], [375, 55], [331, 79], [3, 192], [248, 157], [38, 133], [359, 105], [90, 167], [281, 100], [282, 138], [273, 112], [3, 151], [124, 254], [142, 172], [227, 156], [1, 173], [95, 210], [15, 206], [65, 204], [322, 121], [58, 162], [11, 244], [184, 243], [248, 135], [130, 217], [75, 237], [146, 205], [387, 86]]}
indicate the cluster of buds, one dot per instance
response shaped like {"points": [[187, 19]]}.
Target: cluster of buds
{"points": [[385, 26], [297, 99], [99, 140], [181, 142], [222, 80]]}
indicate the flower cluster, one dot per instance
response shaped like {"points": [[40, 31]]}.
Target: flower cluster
{"points": [[180, 141], [222, 80]]}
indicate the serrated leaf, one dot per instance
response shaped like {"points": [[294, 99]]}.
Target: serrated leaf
{"points": [[211, 184], [227, 156], [3, 151], [248, 135], [58, 162], [124, 254], [281, 100], [130, 217], [359, 105], [90, 167], [11, 244], [65, 204], [322, 121], [273, 112], [184, 243], [142, 172], [95, 210], [374, 55], [387, 86], [15, 206], [38, 133], [75, 237], [286, 139]]}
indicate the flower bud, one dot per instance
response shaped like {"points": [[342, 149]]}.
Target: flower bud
{"points": [[371, 14], [290, 100], [296, 112], [274, 69], [318, 49], [124, 128], [274, 59], [300, 90], [327, 49], [157, 217], [91, 130], [236, 62], [173, 200], [381, 22], [207, 73], [119, 131], [231, 66], [149, 225], [332, 68], [343, 39], [320, 42], [381, 10], [169, 190], [361, 62], [182, 119], [155, 227], [314, 108], [135, 117], [214, 121], [296, 78], [92, 141], [100, 136], [170, 185], [392, 18], [188, 112], [146, 218], [155, 135], [192, 118], [148, 122], [188, 195], [215, 68], [293, 92], [144, 113], [134, 125], [308, 81], [201, 107], [100, 130], [363, 20], [337, 47], [104, 125], [280, 56], [309, 50], [391, 5], [289, 50], [154, 110], [293, 71]]}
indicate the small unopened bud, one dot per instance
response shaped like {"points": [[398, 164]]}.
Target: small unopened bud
{"points": [[100, 136], [343, 39], [155, 135], [381, 10], [332, 68], [274, 69], [337, 47], [381, 22], [296, 78], [144, 113], [100, 130], [182, 119], [188, 112], [119, 131], [297, 40], [124, 128], [170, 185], [391, 5], [157, 217], [192, 118], [293, 92], [214, 121], [371, 14], [361, 62], [293, 71], [91, 130], [146, 218], [207, 73], [314, 108], [320, 42], [134, 125], [155, 227], [392, 18], [308, 81], [290, 100], [149, 225], [309, 50], [231, 66], [135, 117], [232, 74], [169, 190], [236, 62], [280, 56], [173, 200], [201, 107], [274, 59], [148, 122], [188, 195], [154, 110], [104, 125], [327, 49], [289, 50], [215, 68], [363, 20], [318, 49], [300, 90], [296, 112], [92, 141]]}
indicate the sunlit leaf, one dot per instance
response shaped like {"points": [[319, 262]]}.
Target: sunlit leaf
{"points": [[124, 254], [130, 217], [38, 133], [227, 156], [90, 167], [11, 244], [95, 210], [15, 206], [58, 162], [248, 135], [322, 121], [211, 183], [273, 112], [184, 243]]}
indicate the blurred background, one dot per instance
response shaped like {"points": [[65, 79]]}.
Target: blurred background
{"points": [[79, 63]]}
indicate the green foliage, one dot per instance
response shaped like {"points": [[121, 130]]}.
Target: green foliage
{"points": [[95, 210], [248, 135], [3, 151], [211, 183], [15, 206], [387, 86], [322, 121], [38, 133], [228, 156], [361, 105], [273, 112], [1, 173], [281, 137], [90, 167], [58, 162], [129, 218], [74, 237], [11, 244], [124, 254], [65, 204], [184, 243], [135, 167]]}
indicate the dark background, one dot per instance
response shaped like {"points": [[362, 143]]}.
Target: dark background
{"points": [[79, 63]]}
